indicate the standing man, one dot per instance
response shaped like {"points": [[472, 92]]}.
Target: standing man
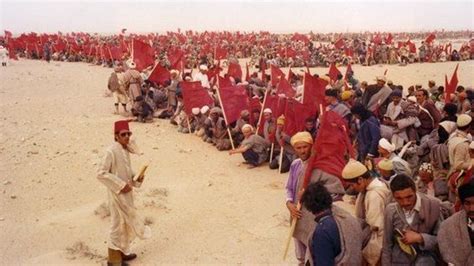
{"points": [[302, 143], [115, 172], [337, 238], [133, 81], [116, 86], [411, 225], [370, 204], [456, 234], [3, 56]]}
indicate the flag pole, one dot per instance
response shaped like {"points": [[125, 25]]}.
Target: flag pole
{"points": [[282, 150], [189, 124], [271, 153], [290, 235], [261, 110], [225, 118]]}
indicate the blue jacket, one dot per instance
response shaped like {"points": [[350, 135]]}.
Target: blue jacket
{"points": [[368, 137]]}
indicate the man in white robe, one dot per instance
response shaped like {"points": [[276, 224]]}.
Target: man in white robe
{"points": [[116, 174]]}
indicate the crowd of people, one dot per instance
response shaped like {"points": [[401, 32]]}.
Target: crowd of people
{"points": [[407, 162], [284, 50], [411, 172]]}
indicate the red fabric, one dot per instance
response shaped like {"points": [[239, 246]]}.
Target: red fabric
{"points": [[430, 38], [377, 39], [284, 87], [11, 53], [411, 46], [224, 82], [349, 69], [235, 71], [452, 85], [234, 99], [159, 75], [175, 57], [270, 101], [331, 147], [116, 52], [221, 53], [333, 72], [276, 74], [194, 95], [215, 71], [289, 52], [121, 125], [349, 52], [295, 115], [300, 37], [389, 39], [143, 54], [314, 89], [279, 106], [339, 44], [291, 75]]}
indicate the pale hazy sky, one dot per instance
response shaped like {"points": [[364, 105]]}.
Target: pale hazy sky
{"points": [[276, 16]]}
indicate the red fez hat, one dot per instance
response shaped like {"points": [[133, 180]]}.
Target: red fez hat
{"points": [[121, 125]]}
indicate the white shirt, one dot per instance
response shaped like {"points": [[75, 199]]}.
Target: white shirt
{"points": [[410, 215], [203, 79]]}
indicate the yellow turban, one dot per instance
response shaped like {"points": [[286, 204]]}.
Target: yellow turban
{"points": [[281, 120], [385, 164], [353, 169], [303, 136], [346, 95]]}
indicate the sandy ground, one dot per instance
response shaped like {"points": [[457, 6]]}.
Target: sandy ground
{"points": [[203, 206]]}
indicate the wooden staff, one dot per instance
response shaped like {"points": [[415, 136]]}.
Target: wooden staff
{"points": [[290, 235], [280, 161], [261, 110], [271, 152], [189, 124], [225, 118]]}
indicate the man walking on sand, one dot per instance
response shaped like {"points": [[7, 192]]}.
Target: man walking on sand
{"points": [[115, 172]]}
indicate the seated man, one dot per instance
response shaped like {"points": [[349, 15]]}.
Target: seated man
{"points": [[456, 234], [254, 148], [411, 225], [337, 238]]}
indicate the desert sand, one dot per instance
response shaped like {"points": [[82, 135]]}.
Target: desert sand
{"points": [[203, 206]]}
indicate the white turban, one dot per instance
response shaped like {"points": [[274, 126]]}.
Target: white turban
{"points": [[204, 109], [267, 110], [247, 127], [386, 145], [195, 110], [449, 126]]}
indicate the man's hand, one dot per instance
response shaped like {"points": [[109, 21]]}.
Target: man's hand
{"points": [[412, 237], [294, 212], [126, 189]]}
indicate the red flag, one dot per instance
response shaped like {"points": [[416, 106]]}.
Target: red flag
{"points": [[331, 146], [159, 75], [300, 37], [175, 57], [412, 46], [333, 72], [116, 52], [389, 39], [11, 53], [279, 106], [453, 84], [284, 87], [314, 91], [220, 53], [275, 74], [291, 75], [349, 69], [194, 95], [339, 44], [447, 90], [430, 38], [377, 39], [235, 71], [234, 99], [142, 54], [295, 115], [224, 82], [349, 52], [8, 34]]}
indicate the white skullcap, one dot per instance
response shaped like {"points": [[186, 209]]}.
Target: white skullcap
{"points": [[247, 127], [386, 145], [412, 99], [449, 126], [204, 109], [385, 164], [203, 67], [267, 110], [195, 111], [353, 169], [463, 120]]}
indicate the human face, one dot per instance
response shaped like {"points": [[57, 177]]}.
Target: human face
{"points": [[425, 176], [383, 152], [468, 206], [358, 184], [406, 198], [267, 116], [420, 97], [396, 100], [303, 150], [247, 133], [328, 99], [123, 137]]}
